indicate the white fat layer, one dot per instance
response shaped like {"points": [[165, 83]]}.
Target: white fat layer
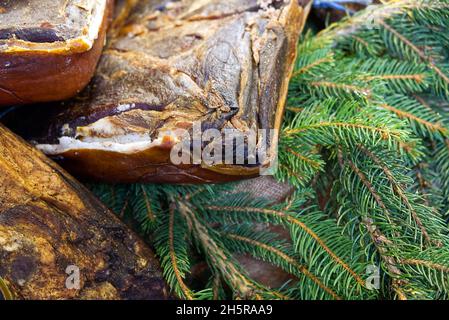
{"points": [[122, 139], [127, 144], [98, 11], [101, 128], [125, 107]]}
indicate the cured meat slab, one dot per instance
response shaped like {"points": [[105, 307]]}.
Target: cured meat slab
{"points": [[225, 64], [49, 48], [59, 242]]}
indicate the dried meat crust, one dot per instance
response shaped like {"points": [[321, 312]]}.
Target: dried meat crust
{"points": [[224, 63]]}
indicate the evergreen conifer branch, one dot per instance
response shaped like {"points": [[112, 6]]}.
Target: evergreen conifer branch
{"points": [[365, 142]]}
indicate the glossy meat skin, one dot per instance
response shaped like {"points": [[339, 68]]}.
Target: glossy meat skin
{"points": [[224, 63]]}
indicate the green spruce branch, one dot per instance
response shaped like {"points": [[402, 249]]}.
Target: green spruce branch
{"points": [[365, 143]]}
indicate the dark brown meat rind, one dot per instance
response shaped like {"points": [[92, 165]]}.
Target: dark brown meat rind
{"points": [[49, 48], [48, 222], [224, 63]]}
